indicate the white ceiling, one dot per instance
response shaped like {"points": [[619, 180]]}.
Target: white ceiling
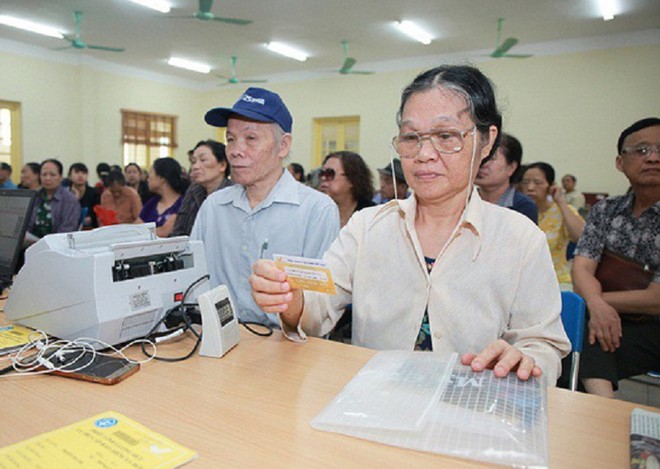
{"points": [[462, 28]]}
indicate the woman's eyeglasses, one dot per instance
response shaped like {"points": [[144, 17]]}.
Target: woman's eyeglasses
{"points": [[329, 174], [408, 144]]}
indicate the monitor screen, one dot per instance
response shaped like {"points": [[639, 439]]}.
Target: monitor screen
{"points": [[15, 211]]}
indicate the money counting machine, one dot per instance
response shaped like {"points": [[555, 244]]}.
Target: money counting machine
{"points": [[112, 283]]}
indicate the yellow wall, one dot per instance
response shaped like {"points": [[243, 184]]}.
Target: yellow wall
{"points": [[567, 110], [72, 112]]}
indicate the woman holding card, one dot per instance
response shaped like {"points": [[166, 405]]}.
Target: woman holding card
{"points": [[441, 270]]}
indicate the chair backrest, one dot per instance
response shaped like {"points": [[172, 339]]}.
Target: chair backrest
{"points": [[573, 318]]}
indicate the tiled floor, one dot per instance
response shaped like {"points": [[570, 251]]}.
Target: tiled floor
{"points": [[640, 389]]}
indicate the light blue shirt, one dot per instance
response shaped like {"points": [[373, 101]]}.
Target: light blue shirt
{"points": [[295, 219], [8, 184]]}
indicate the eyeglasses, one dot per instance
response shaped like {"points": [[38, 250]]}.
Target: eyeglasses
{"points": [[409, 144], [642, 151], [329, 174]]}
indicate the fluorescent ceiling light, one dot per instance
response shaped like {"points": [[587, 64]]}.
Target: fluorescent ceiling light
{"points": [[30, 26], [608, 9], [286, 51], [188, 65], [158, 5], [415, 32]]}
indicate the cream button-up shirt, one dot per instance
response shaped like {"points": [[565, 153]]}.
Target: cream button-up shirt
{"points": [[493, 279]]}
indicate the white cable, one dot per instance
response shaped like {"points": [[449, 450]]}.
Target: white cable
{"points": [[469, 184], [26, 364]]}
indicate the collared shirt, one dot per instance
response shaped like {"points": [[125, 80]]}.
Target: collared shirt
{"points": [[293, 220], [611, 225], [192, 200], [520, 203], [552, 223], [8, 184], [575, 198], [64, 211], [492, 280]]}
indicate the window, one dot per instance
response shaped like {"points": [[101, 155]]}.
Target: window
{"points": [[10, 132], [335, 134], [147, 136]]}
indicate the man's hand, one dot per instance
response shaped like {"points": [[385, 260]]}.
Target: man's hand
{"points": [[270, 290], [604, 325], [502, 358]]}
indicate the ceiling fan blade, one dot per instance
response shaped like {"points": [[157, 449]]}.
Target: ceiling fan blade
{"points": [[349, 62], [254, 81], [517, 56], [106, 48], [504, 47], [236, 21], [360, 72], [205, 6]]}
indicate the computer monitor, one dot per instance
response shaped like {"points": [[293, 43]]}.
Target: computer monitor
{"points": [[15, 211]]}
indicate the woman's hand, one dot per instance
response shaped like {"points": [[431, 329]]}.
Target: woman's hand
{"points": [[557, 194], [502, 358], [273, 294], [574, 223]]}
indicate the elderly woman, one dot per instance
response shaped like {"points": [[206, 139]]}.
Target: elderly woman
{"points": [[56, 210], [346, 178], [209, 169], [124, 201], [441, 270], [560, 221]]}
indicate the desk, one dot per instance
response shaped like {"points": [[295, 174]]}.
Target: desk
{"points": [[252, 409]]}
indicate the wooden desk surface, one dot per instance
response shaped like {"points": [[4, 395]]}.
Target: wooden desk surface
{"points": [[252, 409]]}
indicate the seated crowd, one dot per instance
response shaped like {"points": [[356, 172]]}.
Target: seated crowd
{"points": [[480, 279]]}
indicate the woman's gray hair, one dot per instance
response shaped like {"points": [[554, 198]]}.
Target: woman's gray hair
{"points": [[468, 82]]}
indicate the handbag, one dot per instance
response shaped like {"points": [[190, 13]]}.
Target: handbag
{"points": [[617, 273]]}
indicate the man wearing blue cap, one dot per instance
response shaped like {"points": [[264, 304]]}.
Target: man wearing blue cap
{"points": [[266, 212]]}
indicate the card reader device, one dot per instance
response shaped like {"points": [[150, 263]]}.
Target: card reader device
{"points": [[219, 324]]}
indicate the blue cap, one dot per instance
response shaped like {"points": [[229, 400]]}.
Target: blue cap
{"points": [[257, 104]]}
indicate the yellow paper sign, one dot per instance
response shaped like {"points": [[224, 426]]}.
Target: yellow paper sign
{"points": [[13, 337], [306, 274], [106, 440]]}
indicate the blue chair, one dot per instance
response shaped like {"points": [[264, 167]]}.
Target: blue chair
{"points": [[573, 317]]}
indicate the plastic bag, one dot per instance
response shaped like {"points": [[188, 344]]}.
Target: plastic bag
{"points": [[450, 409]]}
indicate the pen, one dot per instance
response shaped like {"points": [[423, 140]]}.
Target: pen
{"points": [[264, 246]]}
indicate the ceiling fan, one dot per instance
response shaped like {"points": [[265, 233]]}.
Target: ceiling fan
{"points": [[502, 48], [204, 14], [78, 43], [349, 62], [232, 80]]}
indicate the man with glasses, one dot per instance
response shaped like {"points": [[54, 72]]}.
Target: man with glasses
{"points": [[266, 211], [617, 269]]}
